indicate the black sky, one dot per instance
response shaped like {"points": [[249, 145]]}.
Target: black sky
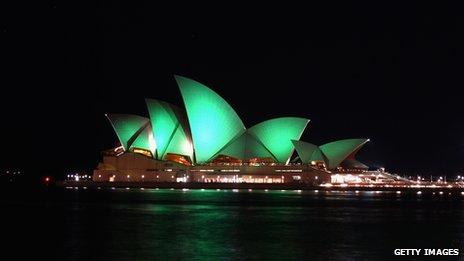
{"points": [[389, 73]]}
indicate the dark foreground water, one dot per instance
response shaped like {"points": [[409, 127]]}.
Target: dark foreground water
{"points": [[85, 224]]}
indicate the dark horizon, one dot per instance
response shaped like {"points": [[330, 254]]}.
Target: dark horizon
{"points": [[388, 73]]}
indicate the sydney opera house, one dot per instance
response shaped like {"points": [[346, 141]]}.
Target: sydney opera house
{"points": [[208, 142]]}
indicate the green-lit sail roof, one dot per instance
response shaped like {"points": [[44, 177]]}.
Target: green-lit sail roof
{"points": [[145, 140], [213, 122], [180, 144], [170, 132], [255, 149], [127, 127], [236, 148], [308, 152], [246, 147], [338, 151], [210, 127], [277, 135]]}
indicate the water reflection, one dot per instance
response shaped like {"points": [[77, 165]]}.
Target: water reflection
{"points": [[208, 224]]}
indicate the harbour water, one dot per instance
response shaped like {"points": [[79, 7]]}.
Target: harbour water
{"points": [[165, 224]]}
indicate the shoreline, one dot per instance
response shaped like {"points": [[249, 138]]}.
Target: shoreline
{"points": [[257, 186]]}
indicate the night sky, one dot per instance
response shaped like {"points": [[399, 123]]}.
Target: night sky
{"points": [[389, 73]]}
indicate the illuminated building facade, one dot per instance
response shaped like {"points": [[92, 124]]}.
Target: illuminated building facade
{"points": [[208, 142]]}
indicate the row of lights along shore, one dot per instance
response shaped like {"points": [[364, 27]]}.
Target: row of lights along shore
{"points": [[284, 190], [78, 177]]}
